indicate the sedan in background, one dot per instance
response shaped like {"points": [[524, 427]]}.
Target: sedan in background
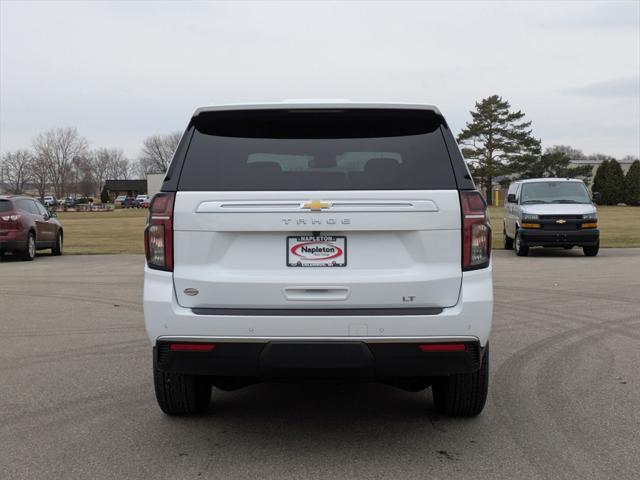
{"points": [[129, 202], [50, 201], [140, 199]]}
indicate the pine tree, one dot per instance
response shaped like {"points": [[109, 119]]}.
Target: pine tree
{"points": [[610, 182], [104, 195], [632, 184], [599, 178], [555, 162], [496, 138]]}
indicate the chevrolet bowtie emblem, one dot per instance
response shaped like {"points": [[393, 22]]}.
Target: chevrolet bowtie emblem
{"points": [[561, 221], [316, 205]]}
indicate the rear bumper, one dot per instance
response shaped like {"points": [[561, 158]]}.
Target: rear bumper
{"points": [[313, 359], [469, 318], [534, 237], [12, 241]]}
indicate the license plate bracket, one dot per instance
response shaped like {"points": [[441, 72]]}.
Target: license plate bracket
{"points": [[316, 251]]}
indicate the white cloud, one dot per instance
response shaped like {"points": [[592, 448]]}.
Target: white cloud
{"points": [[122, 70]]}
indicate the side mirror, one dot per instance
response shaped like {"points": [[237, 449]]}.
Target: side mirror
{"points": [[597, 197], [511, 198]]}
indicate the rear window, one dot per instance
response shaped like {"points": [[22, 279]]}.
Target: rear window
{"points": [[317, 150], [5, 206]]}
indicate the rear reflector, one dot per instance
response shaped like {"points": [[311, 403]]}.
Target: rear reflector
{"points": [[442, 347], [192, 347]]}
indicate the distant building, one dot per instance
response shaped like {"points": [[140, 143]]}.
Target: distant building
{"points": [[130, 188], [154, 183], [625, 163]]}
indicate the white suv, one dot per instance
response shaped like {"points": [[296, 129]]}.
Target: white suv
{"points": [[318, 241]]}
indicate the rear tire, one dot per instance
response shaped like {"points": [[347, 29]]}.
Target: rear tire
{"points": [[508, 242], [180, 394], [30, 253], [591, 251], [463, 395], [521, 250], [57, 249]]}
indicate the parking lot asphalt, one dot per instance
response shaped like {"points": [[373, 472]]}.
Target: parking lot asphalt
{"points": [[76, 392]]}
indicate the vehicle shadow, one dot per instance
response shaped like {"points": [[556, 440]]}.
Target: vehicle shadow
{"points": [[555, 252], [366, 415], [9, 257]]}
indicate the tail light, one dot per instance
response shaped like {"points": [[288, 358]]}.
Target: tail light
{"points": [[158, 236], [11, 222], [476, 231]]}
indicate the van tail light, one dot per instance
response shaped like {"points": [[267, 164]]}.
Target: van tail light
{"points": [[476, 231], [158, 236]]}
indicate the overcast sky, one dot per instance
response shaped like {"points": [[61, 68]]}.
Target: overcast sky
{"points": [[119, 71]]}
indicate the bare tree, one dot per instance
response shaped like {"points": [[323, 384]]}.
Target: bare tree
{"points": [[40, 174], [157, 152], [82, 177], [107, 163], [118, 169], [58, 147], [17, 170]]}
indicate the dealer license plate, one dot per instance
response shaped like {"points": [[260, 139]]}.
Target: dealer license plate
{"points": [[316, 251]]}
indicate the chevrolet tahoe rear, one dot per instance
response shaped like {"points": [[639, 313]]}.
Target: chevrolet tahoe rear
{"points": [[318, 242]]}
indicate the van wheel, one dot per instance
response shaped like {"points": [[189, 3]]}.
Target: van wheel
{"points": [[30, 252], [591, 251], [463, 395], [521, 250], [57, 250], [180, 394], [508, 242]]}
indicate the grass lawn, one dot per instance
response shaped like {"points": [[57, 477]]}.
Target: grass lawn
{"points": [[619, 226], [118, 231], [121, 231]]}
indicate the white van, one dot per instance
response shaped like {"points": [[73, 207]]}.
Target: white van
{"points": [[550, 212]]}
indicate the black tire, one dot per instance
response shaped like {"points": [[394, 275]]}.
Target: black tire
{"points": [[57, 249], [30, 252], [591, 251], [463, 395], [180, 394], [508, 241], [521, 250]]}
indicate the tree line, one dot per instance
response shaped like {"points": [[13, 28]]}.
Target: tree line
{"points": [[499, 145], [60, 162], [614, 186]]}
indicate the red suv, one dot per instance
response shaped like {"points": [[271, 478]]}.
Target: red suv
{"points": [[27, 226]]}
